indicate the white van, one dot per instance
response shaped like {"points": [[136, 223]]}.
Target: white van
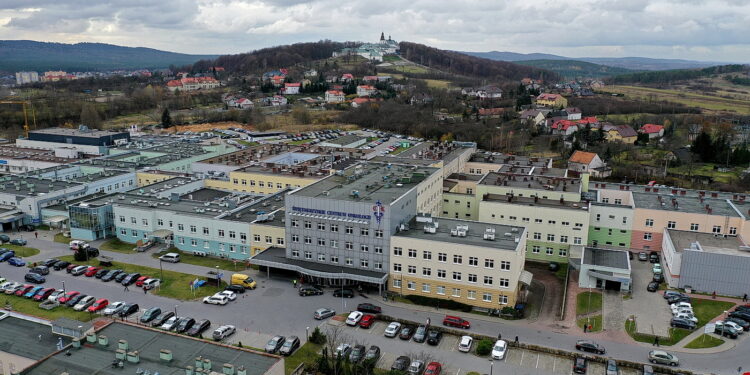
{"points": [[170, 257]]}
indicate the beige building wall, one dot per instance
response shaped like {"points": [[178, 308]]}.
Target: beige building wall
{"points": [[260, 183], [429, 194], [264, 236]]}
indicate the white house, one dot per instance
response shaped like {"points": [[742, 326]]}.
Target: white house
{"points": [[335, 96], [588, 162], [366, 90], [292, 88]]}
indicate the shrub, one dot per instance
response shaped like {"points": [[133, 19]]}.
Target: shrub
{"points": [[484, 347], [437, 302], [317, 337]]}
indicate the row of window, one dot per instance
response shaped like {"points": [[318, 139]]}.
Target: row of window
{"points": [[617, 200], [457, 259], [192, 228], [334, 244], [243, 181], [193, 242], [455, 292], [269, 239], [693, 227], [598, 217], [541, 221], [322, 257], [457, 276], [551, 238], [549, 251], [378, 233]]}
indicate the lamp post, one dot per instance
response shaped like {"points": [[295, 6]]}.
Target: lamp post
{"points": [[307, 334], [492, 363], [63, 286], [175, 310]]}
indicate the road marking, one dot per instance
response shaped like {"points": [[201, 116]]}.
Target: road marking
{"points": [[523, 352], [458, 371], [537, 361], [554, 362]]}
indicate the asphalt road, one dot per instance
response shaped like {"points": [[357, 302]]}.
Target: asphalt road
{"points": [[275, 308]]}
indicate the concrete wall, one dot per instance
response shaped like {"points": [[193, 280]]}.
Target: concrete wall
{"points": [[671, 261], [460, 206], [610, 226], [708, 272], [251, 182], [682, 221]]}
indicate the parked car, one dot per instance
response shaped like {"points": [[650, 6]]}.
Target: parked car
{"points": [[687, 316], [4, 238], [223, 332], [680, 298], [499, 349], [354, 318], [67, 297], [580, 365], [682, 323], [150, 314], [658, 277], [744, 315], [199, 327], [128, 310], [734, 325], [71, 267], [726, 331], [454, 321], [231, 296], [110, 275], [677, 306], [60, 265], [433, 368], [84, 303], [130, 279], [344, 293], [415, 368], [42, 270], [308, 290], [91, 271], [152, 284], [162, 318], [357, 354], [392, 329], [140, 280], [114, 308], [23, 289], [10, 287], [99, 305], [120, 277], [656, 268], [16, 262], [663, 358], [369, 308], [464, 345], [31, 292], [372, 355], [642, 256], [44, 294], [290, 345], [653, 257], [274, 344], [420, 334], [367, 321], [170, 257], [652, 286], [612, 368], [216, 299], [79, 270], [235, 288], [184, 325], [18, 242], [406, 332], [99, 274], [74, 301], [590, 346], [7, 255], [740, 322], [401, 363], [343, 350], [171, 322], [34, 278], [434, 336]]}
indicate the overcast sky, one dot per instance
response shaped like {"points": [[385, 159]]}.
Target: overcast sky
{"points": [[712, 30]]}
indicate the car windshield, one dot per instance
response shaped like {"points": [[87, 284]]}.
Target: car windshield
{"points": [[500, 347], [287, 344], [611, 366]]}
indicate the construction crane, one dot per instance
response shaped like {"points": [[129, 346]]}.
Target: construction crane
{"points": [[25, 104]]}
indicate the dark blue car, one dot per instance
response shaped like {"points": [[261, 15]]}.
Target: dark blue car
{"points": [[7, 255], [17, 262]]}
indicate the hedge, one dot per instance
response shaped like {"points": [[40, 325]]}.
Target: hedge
{"points": [[438, 302]]}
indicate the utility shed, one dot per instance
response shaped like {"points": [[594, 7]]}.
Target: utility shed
{"points": [[605, 269]]}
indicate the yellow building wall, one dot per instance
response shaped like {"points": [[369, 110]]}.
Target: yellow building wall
{"points": [[260, 234], [144, 179], [258, 183]]}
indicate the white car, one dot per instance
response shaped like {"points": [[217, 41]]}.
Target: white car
{"points": [[11, 287], [171, 323], [392, 329], [680, 305], [687, 316], [5, 284], [465, 344], [55, 295], [113, 308], [343, 350], [499, 349], [734, 325], [223, 332], [84, 303], [682, 310], [232, 296], [216, 299], [151, 284], [354, 318]]}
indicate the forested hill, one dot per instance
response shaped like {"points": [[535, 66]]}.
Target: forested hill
{"points": [[272, 57], [17, 55], [461, 64], [669, 76], [571, 69]]}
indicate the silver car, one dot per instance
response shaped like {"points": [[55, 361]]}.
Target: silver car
{"points": [[662, 357], [223, 332], [392, 329], [323, 313]]}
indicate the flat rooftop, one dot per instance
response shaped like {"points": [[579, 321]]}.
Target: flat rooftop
{"points": [[21, 153], [371, 182], [666, 190], [532, 202], [505, 235], [90, 133], [97, 359], [21, 337], [268, 210], [162, 185], [433, 151], [26, 186], [689, 204], [548, 183], [683, 240], [205, 195], [464, 177], [153, 203], [606, 258], [507, 159]]}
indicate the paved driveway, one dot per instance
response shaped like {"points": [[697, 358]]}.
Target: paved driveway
{"points": [[651, 312]]}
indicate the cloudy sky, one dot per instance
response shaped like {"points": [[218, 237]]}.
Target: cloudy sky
{"points": [[713, 30]]}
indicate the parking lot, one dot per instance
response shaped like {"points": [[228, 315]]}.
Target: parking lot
{"points": [[651, 311]]}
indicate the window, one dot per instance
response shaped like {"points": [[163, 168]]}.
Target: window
{"points": [[378, 233], [503, 300], [486, 297], [205, 231], [564, 239], [550, 238], [412, 253], [732, 231], [456, 292], [193, 229], [349, 230], [243, 237], [334, 227], [279, 241], [537, 236], [473, 261], [308, 240], [457, 276], [364, 263], [378, 265], [269, 239], [505, 265], [411, 285], [426, 271], [412, 270], [123, 231], [504, 283], [425, 288], [122, 219], [694, 226], [181, 240], [295, 223], [512, 217], [321, 226], [221, 232], [671, 224], [233, 234], [364, 248], [334, 259], [308, 224], [550, 251], [538, 221], [144, 221], [396, 283], [472, 278], [295, 238], [334, 244], [427, 255], [565, 223], [441, 290], [457, 259], [160, 222], [349, 246], [441, 274], [364, 232], [576, 240], [349, 261], [397, 251], [716, 229], [295, 253], [396, 267], [489, 263], [564, 252], [181, 228], [535, 249], [471, 294], [605, 200], [321, 242], [649, 222], [647, 236], [378, 250], [133, 220], [442, 257], [553, 222], [321, 257]]}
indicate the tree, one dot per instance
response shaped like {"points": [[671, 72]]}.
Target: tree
{"points": [[301, 114], [90, 116], [484, 347], [701, 146], [166, 119]]}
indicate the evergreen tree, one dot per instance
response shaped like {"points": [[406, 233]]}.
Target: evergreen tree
{"points": [[166, 119], [702, 146]]}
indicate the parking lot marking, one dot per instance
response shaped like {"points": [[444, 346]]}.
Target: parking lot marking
{"points": [[554, 363], [458, 371], [537, 361], [523, 352]]}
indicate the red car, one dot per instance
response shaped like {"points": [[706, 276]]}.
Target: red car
{"points": [[70, 267], [67, 297], [367, 321], [91, 271], [140, 280], [24, 289], [455, 321], [43, 294], [98, 305], [433, 368]]}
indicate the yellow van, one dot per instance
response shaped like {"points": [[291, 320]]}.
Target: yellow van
{"points": [[244, 280]]}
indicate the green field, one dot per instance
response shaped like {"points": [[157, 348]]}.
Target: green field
{"points": [[437, 83], [307, 353], [707, 309], [676, 335], [704, 341], [30, 307], [212, 262], [118, 246], [22, 251], [691, 99], [595, 322], [586, 305], [173, 284]]}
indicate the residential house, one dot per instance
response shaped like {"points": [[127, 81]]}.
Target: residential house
{"points": [[347, 77], [366, 90], [484, 92], [192, 83], [244, 103], [274, 101], [370, 79], [357, 102], [420, 98], [551, 100], [278, 80], [588, 162], [334, 96], [564, 127], [621, 133], [573, 113], [653, 130], [291, 88], [491, 112]]}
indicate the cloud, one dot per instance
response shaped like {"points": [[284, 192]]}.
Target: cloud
{"points": [[699, 29]]}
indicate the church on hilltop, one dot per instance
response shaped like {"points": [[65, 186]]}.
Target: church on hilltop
{"points": [[372, 51]]}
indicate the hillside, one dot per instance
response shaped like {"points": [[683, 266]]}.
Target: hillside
{"points": [[514, 56], [16, 55], [573, 68], [272, 57], [462, 64], [670, 76]]}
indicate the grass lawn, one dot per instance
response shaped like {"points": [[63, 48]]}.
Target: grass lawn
{"points": [[707, 309], [307, 353], [30, 307], [437, 83], [704, 341], [22, 251], [586, 305], [212, 262], [118, 246], [595, 322], [173, 284], [60, 238], [676, 335], [301, 142], [247, 143]]}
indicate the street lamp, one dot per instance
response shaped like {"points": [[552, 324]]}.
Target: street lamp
{"points": [[63, 286], [307, 333], [492, 363], [175, 310]]}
